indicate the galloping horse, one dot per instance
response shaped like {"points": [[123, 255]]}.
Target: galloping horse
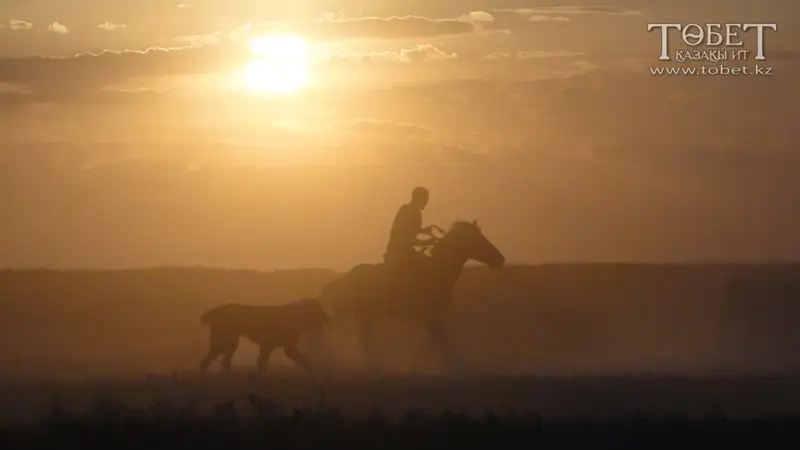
{"points": [[371, 292]]}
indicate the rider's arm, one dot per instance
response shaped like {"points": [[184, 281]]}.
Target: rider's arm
{"points": [[427, 241], [429, 230], [430, 241], [411, 220]]}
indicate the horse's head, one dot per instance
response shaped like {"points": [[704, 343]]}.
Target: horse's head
{"points": [[466, 241]]}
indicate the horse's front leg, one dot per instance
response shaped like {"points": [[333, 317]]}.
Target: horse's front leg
{"points": [[365, 332], [444, 346]]}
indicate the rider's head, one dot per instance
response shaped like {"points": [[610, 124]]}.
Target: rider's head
{"points": [[419, 197]]}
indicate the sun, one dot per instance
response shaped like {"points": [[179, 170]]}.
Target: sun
{"points": [[279, 66]]}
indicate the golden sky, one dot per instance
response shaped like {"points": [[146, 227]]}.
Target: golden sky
{"points": [[150, 132]]}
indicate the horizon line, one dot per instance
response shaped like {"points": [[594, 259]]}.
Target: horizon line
{"points": [[202, 267]]}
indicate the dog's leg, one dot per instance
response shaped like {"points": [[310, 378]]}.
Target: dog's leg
{"points": [[300, 359], [264, 352]]}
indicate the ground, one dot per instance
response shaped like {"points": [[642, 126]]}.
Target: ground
{"points": [[600, 397]]}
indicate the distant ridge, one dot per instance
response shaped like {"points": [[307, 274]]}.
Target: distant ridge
{"points": [[321, 271]]}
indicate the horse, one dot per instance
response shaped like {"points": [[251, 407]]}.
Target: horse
{"points": [[269, 327], [371, 293]]}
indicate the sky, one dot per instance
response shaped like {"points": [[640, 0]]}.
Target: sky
{"points": [[129, 137]]}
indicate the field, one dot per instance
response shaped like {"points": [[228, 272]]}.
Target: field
{"points": [[550, 319], [568, 342]]}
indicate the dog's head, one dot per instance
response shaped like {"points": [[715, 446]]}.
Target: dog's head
{"points": [[314, 312]]}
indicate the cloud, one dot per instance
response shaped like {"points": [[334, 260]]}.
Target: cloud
{"points": [[385, 28], [80, 74], [340, 28], [572, 10], [534, 54], [478, 17], [76, 75], [57, 28], [108, 26], [624, 120], [194, 40], [418, 53], [425, 52], [541, 18], [11, 88], [17, 24], [580, 103], [389, 128]]}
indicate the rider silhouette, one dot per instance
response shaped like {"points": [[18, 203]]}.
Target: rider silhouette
{"points": [[400, 252]]}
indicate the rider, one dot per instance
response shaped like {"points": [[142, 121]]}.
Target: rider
{"points": [[407, 225]]}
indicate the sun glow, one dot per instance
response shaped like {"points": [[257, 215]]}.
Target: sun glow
{"points": [[280, 65]]}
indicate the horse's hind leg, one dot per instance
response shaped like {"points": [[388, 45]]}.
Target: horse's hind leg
{"points": [[207, 360], [444, 346], [365, 333]]}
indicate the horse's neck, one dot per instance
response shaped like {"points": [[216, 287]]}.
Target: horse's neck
{"points": [[447, 267]]}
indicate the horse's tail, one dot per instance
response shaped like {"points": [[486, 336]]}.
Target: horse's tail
{"points": [[214, 314], [330, 297]]}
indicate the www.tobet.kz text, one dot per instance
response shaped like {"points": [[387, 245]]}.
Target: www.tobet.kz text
{"points": [[713, 70]]}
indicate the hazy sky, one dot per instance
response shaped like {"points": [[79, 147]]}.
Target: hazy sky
{"points": [[128, 137]]}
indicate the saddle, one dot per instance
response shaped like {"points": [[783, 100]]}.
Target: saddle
{"points": [[407, 269]]}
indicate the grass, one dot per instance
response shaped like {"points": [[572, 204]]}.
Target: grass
{"points": [[110, 424], [290, 412]]}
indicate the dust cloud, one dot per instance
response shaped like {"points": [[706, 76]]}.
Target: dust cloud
{"points": [[545, 320]]}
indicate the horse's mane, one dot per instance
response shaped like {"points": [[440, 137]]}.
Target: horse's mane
{"points": [[457, 228], [462, 224]]}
